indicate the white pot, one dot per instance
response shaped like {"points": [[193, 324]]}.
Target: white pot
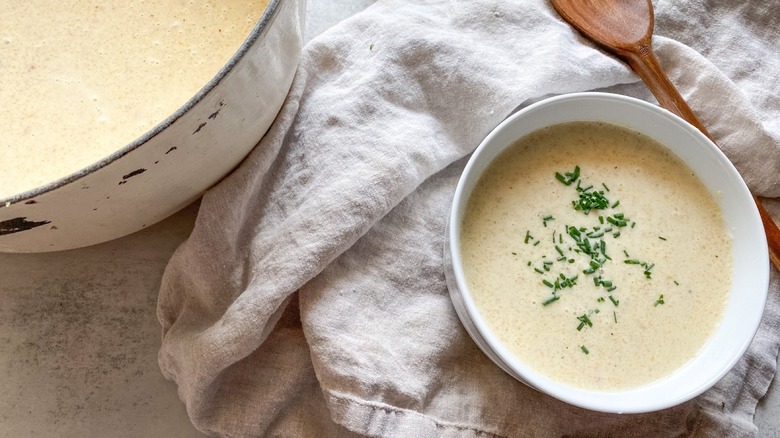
{"points": [[173, 164]]}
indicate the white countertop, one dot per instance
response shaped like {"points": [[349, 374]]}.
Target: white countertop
{"points": [[79, 336]]}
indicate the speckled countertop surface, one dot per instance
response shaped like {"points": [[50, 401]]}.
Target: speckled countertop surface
{"points": [[79, 335]]}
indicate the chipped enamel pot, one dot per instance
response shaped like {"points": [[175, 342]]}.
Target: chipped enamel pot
{"points": [[173, 164]]}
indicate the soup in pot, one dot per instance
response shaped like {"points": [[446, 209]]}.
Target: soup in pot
{"points": [[81, 79]]}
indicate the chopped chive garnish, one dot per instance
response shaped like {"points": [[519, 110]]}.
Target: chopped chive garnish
{"points": [[618, 222], [616, 234], [614, 315], [605, 187], [626, 253], [539, 270], [596, 234], [591, 201], [560, 238], [633, 224], [676, 283], [614, 301], [558, 248], [600, 299], [660, 300], [584, 320], [601, 219], [571, 260], [528, 237], [616, 203], [662, 238], [514, 253], [550, 300], [569, 177], [547, 283], [632, 262], [584, 350], [536, 243], [648, 268], [529, 263]]}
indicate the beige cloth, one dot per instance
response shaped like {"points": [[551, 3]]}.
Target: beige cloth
{"points": [[310, 299]]}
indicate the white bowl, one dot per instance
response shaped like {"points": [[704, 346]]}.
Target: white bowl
{"points": [[750, 276]]}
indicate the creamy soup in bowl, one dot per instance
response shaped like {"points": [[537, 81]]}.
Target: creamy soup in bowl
{"points": [[605, 252]]}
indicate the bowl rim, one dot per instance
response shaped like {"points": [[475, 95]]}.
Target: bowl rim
{"points": [[620, 401], [269, 16]]}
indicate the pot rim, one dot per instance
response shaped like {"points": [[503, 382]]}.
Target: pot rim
{"points": [[269, 15]]}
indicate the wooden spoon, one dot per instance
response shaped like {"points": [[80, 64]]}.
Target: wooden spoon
{"points": [[625, 28]]}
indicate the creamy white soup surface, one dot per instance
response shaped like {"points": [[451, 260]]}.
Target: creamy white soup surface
{"points": [[81, 79], [609, 275]]}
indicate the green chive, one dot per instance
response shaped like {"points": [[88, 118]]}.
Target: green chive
{"points": [[662, 238], [614, 301], [550, 300], [605, 187], [596, 234], [584, 350], [547, 283], [584, 320], [570, 176], [614, 315], [616, 204]]}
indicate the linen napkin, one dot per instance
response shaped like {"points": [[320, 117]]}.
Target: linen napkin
{"points": [[310, 298]]}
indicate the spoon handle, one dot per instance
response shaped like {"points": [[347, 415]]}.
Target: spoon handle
{"points": [[644, 62]]}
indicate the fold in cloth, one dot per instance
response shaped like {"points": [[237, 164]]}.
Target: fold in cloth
{"points": [[310, 298]]}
